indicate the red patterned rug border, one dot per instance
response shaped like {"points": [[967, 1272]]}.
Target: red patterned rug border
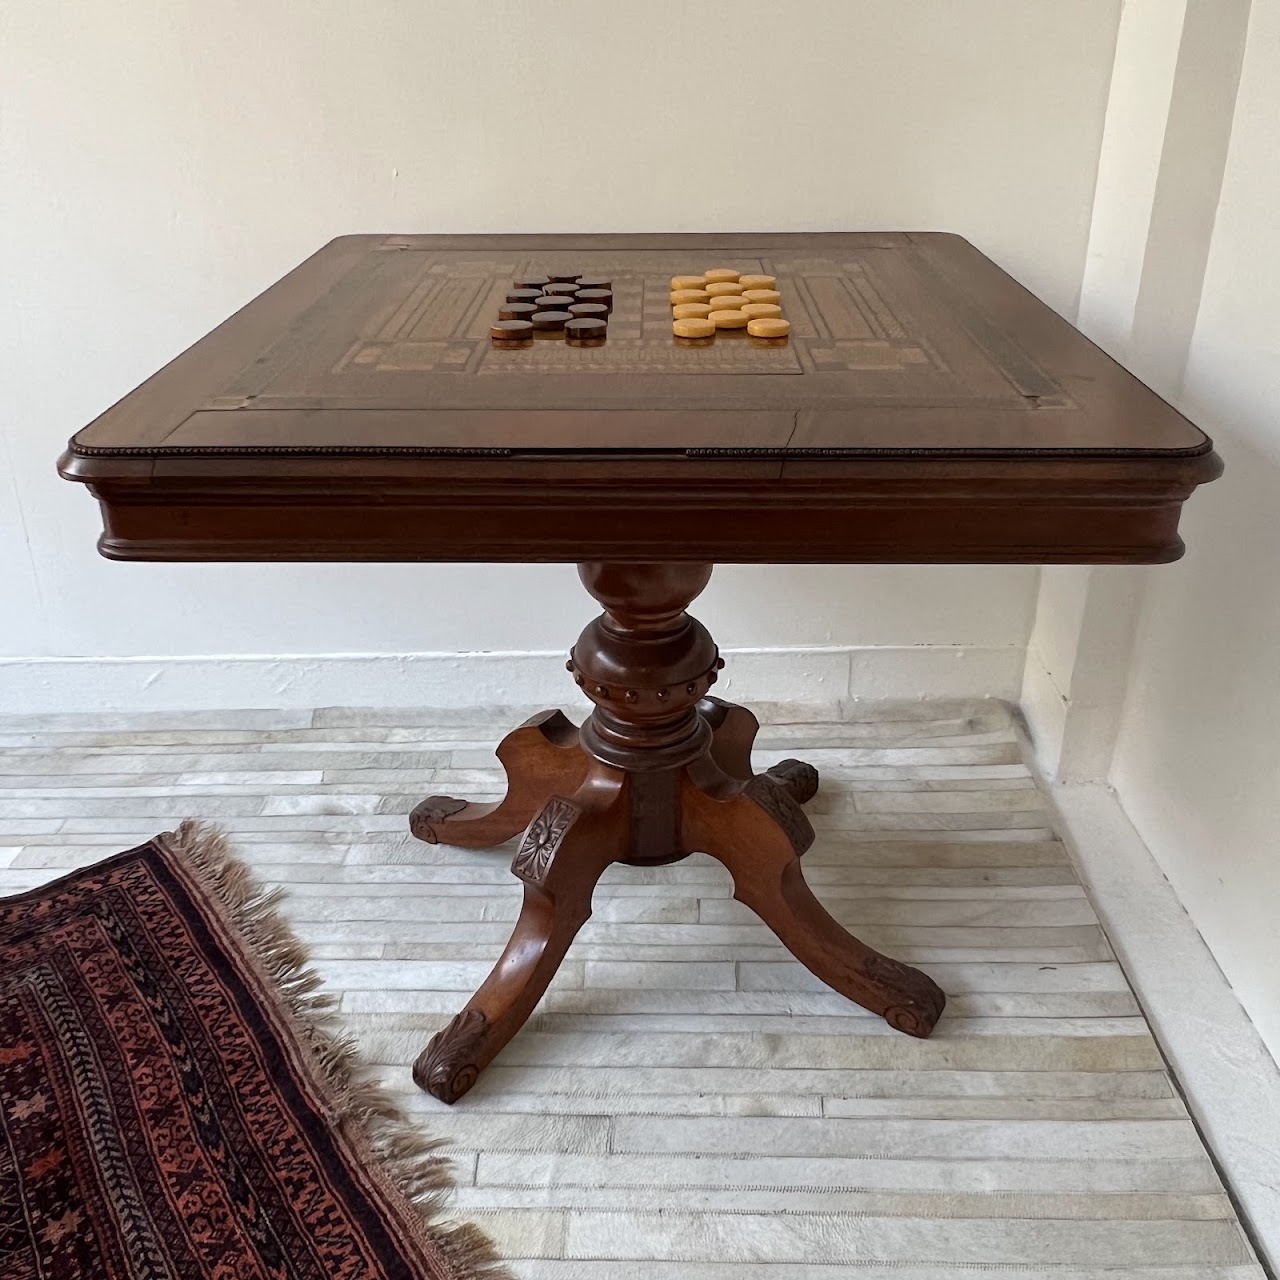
{"points": [[402, 1164]]}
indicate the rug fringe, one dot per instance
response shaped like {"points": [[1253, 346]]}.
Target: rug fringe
{"points": [[359, 1105]]}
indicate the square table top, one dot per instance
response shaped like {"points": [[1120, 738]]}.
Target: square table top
{"points": [[370, 364], [899, 342]]}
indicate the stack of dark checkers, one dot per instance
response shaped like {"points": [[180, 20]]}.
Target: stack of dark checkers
{"points": [[569, 307]]}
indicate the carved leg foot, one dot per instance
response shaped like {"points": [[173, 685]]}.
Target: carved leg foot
{"points": [[542, 758], [563, 853], [797, 779], [758, 832]]}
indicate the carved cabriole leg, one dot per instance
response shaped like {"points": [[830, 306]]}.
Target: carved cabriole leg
{"points": [[560, 858], [759, 832], [542, 758]]}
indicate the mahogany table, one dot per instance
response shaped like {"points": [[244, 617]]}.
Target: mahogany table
{"points": [[926, 409]]}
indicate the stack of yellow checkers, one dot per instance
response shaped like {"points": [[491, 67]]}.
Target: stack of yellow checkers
{"points": [[723, 299]]}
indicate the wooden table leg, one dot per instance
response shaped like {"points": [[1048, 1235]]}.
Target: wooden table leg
{"points": [[563, 853], [659, 771], [733, 732], [543, 757], [759, 832]]}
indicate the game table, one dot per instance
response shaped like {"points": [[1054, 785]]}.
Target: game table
{"points": [[924, 408]]}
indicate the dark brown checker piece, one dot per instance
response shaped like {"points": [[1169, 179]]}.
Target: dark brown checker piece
{"points": [[556, 301], [517, 310], [524, 295], [594, 282], [532, 282], [553, 319], [603, 296], [585, 332], [589, 310], [561, 288], [511, 330], [572, 278], [927, 407]]}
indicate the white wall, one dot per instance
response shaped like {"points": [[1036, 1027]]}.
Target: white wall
{"points": [[1198, 759], [164, 162], [1142, 84], [1167, 683], [1164, 152]]}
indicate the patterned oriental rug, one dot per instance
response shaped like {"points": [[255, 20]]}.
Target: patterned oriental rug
{"points": [[173, 1105]]}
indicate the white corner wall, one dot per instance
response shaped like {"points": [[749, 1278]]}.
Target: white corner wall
{"points": [[1165, 683], [161, 164], [1197, 764], [1164, 150]]}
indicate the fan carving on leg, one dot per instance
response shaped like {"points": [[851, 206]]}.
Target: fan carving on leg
{"points": [[536, 849]]}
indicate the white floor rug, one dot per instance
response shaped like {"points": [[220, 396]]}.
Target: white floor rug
{"points": [[689, 1103]]}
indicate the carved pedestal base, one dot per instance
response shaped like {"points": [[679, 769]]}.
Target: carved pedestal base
{"points": [[661, 770]]}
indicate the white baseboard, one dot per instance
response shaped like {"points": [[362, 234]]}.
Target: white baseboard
{"points": [[810, 676], [1230, 1082]]}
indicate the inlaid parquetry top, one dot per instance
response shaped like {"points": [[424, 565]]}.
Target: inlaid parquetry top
{"points": [[899, 342]]}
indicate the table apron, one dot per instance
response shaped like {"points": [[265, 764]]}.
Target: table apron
{"points": [[1072, 520]]}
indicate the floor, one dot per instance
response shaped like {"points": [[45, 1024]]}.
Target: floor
{"points": [[689, 1102]]}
